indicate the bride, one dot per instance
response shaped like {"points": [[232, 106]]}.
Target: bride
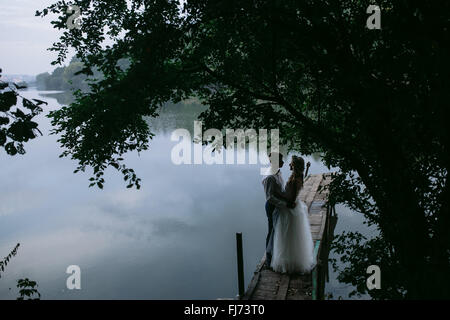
{"points": [[293, 250]]}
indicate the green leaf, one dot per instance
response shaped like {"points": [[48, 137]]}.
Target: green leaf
{"points": [[39, 102], [7, 100], [115, 165], [11, 149]]}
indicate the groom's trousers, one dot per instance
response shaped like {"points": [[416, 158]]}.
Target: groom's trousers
{"points": [[272, 217]]}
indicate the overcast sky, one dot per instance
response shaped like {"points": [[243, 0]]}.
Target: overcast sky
{"points": [[24, 37]]}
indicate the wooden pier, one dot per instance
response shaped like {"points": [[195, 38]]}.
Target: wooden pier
{"points": [[269, 285]]}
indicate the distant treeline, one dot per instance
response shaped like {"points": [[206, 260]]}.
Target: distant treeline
{"points": [[64, 78]]}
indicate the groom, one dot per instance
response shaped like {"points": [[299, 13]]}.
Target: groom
{"points": [[273, 187]]}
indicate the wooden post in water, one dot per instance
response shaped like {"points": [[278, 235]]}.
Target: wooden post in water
{"points": [[308, 164], [240, 264]]}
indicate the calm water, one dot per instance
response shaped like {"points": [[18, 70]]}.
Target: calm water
{"points": [[173, 239]]}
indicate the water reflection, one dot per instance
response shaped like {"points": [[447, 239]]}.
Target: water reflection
{"points": [[61, 97], [171, 116], [173, 239]]}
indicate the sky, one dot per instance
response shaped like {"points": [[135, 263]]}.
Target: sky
{"points": [[24, 38]]}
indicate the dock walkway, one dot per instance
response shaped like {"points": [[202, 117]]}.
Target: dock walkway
{"points": [[269, 285]]}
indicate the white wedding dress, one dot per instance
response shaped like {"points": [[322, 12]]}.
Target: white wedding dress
{"points": [[293, 249]]}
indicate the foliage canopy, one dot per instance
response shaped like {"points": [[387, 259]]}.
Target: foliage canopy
{"points": [[374, 102]]}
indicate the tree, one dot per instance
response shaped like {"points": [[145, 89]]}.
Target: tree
{"points": [[65, 78], [42, 80], [27, 287], [374, 102], [69, 78], [17, 127]]}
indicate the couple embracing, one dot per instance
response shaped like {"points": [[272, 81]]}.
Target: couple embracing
{"points": [[289, 245]]}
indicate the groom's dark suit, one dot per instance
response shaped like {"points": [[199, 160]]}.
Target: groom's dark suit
{"points": [[273, 184]]}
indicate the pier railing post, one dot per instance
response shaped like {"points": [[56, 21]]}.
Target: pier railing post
{"points": [[240, 264]]}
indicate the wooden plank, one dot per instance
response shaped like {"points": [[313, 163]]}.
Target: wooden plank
{"points": [[323, 193], [299, 288], [262, 296], [315, 217], [322, 227], [251, 287], [283, 288], [271, 281], [308, 187], [255, 279], [315, 236], [316, 206], [295, 290], [310, 197], [261, 263], [271, 275], [267, 286], [266, 290]]}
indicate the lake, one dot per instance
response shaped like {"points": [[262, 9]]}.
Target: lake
{"points": [[172, 239]]}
